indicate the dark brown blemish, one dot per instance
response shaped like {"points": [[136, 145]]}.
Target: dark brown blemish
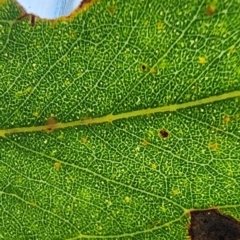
{"points": [[212, 225], [144, 67], [163, 133]]}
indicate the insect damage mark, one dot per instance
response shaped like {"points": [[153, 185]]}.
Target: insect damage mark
{"points": [[163, 133], [212, 225], [51, 123]]}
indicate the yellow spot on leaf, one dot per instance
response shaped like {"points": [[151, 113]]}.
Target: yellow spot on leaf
{"points": [[24, 92], [232, 49], [226, 119], [28, 90], [67, 83], [36, 114], [57, 165], [127, 199], [164, 64], [175, 191], [19, 93], [73, 34], [109, 203], [111, 9], [153, 70], [99, 228], [145, 142], [53, 152], [163, 208], [202, 60], [213, 146], [83, 140], [160, 26], [154, 166]]}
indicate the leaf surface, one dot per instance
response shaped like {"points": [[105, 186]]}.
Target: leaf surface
{"points": [[82, 153]]}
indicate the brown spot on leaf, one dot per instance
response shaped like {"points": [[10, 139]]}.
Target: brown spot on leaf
{"points": [[160, 26], [210, 10], [213, 146], [57, 165], [51, 123], [163, 133], [226, 119], [212, 225], [111, 9], [144, 67]]}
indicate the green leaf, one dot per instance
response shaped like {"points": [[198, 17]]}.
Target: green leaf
{"points": [[117, 122]]}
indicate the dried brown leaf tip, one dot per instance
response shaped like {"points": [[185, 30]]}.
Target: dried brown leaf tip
{"points": [[212, 225]]}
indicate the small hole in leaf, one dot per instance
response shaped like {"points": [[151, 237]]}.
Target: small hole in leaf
{"points": [[163, 133]]}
